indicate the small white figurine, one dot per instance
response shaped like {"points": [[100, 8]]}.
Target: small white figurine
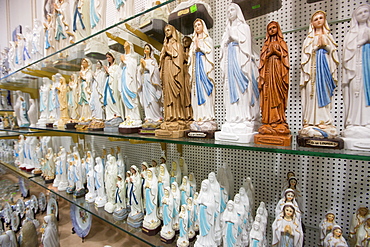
{"points": [[90, 178], [176, 175], [242, 214], [85, 78], [256, 237], [50, 237], [326, 226], [20, 108], [63, 184], [110, 182], [193, 184], [289, 196], [135, 200], [167, 231], [184, 190], [32, 113], [183, 240], [357, 219], [230, 220], [163, 181], [97, 85], [151, 221], [176, 205], [286, 229], [101, 198], [363, 234], [192, 217], [44, 99], [335, 238]]}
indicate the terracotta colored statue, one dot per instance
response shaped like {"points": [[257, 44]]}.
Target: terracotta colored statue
{"points": [[274, 82]]}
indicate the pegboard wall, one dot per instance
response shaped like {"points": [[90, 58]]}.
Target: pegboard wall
{"points": [[326, 183]]}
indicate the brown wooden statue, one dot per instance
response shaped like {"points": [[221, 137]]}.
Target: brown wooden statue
{"points": [[273, 86]]}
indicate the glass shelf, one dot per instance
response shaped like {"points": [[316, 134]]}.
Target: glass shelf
{"points": [[8, 134], [102, 214], [293, 149], [8, 78], [15, 169]]}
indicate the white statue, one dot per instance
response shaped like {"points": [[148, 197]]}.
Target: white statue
{"points": [[256, 237], [243, 217], [248, 215], [151, 220], [190, 207], [90, 177], [167, 231], [49, 38], [202, 78], [216, 189], [101, 198], [150, 86], [286, 229], [20, 108], [120, 194], [240, 79], [81, 19], [129, 86], [50, 237], [183, 166], [355, 79], [335, 238], [357, 219], [32, 113], [62, 26], [97, 85], [134, 191], [74, 97], [224, 187], [37, 49], [183, 240], [319, 66], [53, 104], [207, 210], [110, 182], [176, 205], [293, 184], [85, 78], [289, 196], [230, 222], [193, 184], [58, 170], [363, 234], [163, 181], [176, 175], [71, 176], [326, 226], [184, 190], [63, 184], [49, 168]]}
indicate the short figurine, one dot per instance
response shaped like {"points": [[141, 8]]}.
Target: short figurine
{"points": [[230, 223], [101, 198], [62, 91], [191, 219], [63, 184], [363, 234], [318, 79], [202, 74], [21, 114], [335, 238], [150, 88], [207, 210], [110, 183], [356, 77], [286, 229], [326, 226], [183, 240], [274, 86], [151, 221], [172, 76], [32, 113], [120, 212], [176, 205], [256, 237], [357, 220], [28, 235], [85, 78], [167, 233], [96, 101], [136, 215], [163, 181], [240, 80], [289, 197], [50, 236]]}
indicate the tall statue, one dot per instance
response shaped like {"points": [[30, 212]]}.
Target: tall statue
{"points": [[136, 215], [97, 85], [151, 221], [81, 19], [128, 87], [63, 27], [63, 101], [202, 74], [239, 74], [172, 76], [273, 86], [356, 79], [319, 66], [150, 87], [85, 78], [49, 41]]}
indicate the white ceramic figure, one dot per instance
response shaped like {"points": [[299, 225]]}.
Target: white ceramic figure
{"points": [[90, 177], [120, 194], [111, 97], [53, 101], [85, 78], [63, 184], [191, 217], [216, 189], [128, 87], [121, 167], [230, 223], [27, 50], [319, 66], [357, 219], [134, 192], [150, 86], [71, 179], [354, 83], [326, 226], [256, 237], [176, 175], [81, 19], [207, 210], [193, 184], [101, 198], [20, 109], [58, 170], [286, 229], [151, 220], [196, 211], [62, 25], [110, 182], [32, 113], [49, 38], [289, 196], [163, 181], [49, 167], [78, 173], [74, 97], [183, 166], [202, 78], [97, 91], [262, 212], [248, 185], [50, 237], [240, 79], [167, 231], [293, 184], [37, 49], [184, 190], [176, 205], [248, 215], [239, 207], [335, 238], [224, 187], [285, 182], [183, 240], [363, 234]]}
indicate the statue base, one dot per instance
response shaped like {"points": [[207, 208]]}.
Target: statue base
{"points": [[62, 186], [334, 143], [169, 133], [56, 182], [120, 214], [37, 172], [41, 123], [173, 129], [100, 202], [237, 132], [182, 243], [200, 134], [109, 207], [79, 193], [129, 130], [240, 138], [90, 197], [49, 181], [168, 240], [356, 144], [154, 29], [276, 140], [70, 126], [70, 190], [136, 220], [151, 231], [148, 131]]}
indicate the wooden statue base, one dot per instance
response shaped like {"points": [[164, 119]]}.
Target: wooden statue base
{"points": [[200, 134], [129, 130], [170, 133], [151, 232], [168, 241], [49, 181], [277, 140], [334, 143]]}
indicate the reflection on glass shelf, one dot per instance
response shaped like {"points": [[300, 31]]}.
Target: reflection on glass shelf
{"points": [[102, 214], [12, 77], [14, 168], [23, 131], [8, 134], [294, 149]]}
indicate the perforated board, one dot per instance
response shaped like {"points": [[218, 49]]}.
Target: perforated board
{"points": [[326, 183]]}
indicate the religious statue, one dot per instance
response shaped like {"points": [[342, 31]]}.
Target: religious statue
{"points": [[97, 85], [110, 183], [151, 222], [273, 86], [356, 77], [239, 74], [286, 229], [62, 91], [256, 236], [289, 196], [163, 182], [167, 232], [136, 215], [37, 50], [20, 109], [128, 88], [357, 220], [230, 222], [326, 226], [176, 205], [85, 79], [172, 76], [202, 74], [32, 113], [101, 198], [81, 19], [335, 238], [150, 89], [50, 236], [183, 240], [63, 184], [120, 212], [319, 66], [363, 234], [49, 29]]}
